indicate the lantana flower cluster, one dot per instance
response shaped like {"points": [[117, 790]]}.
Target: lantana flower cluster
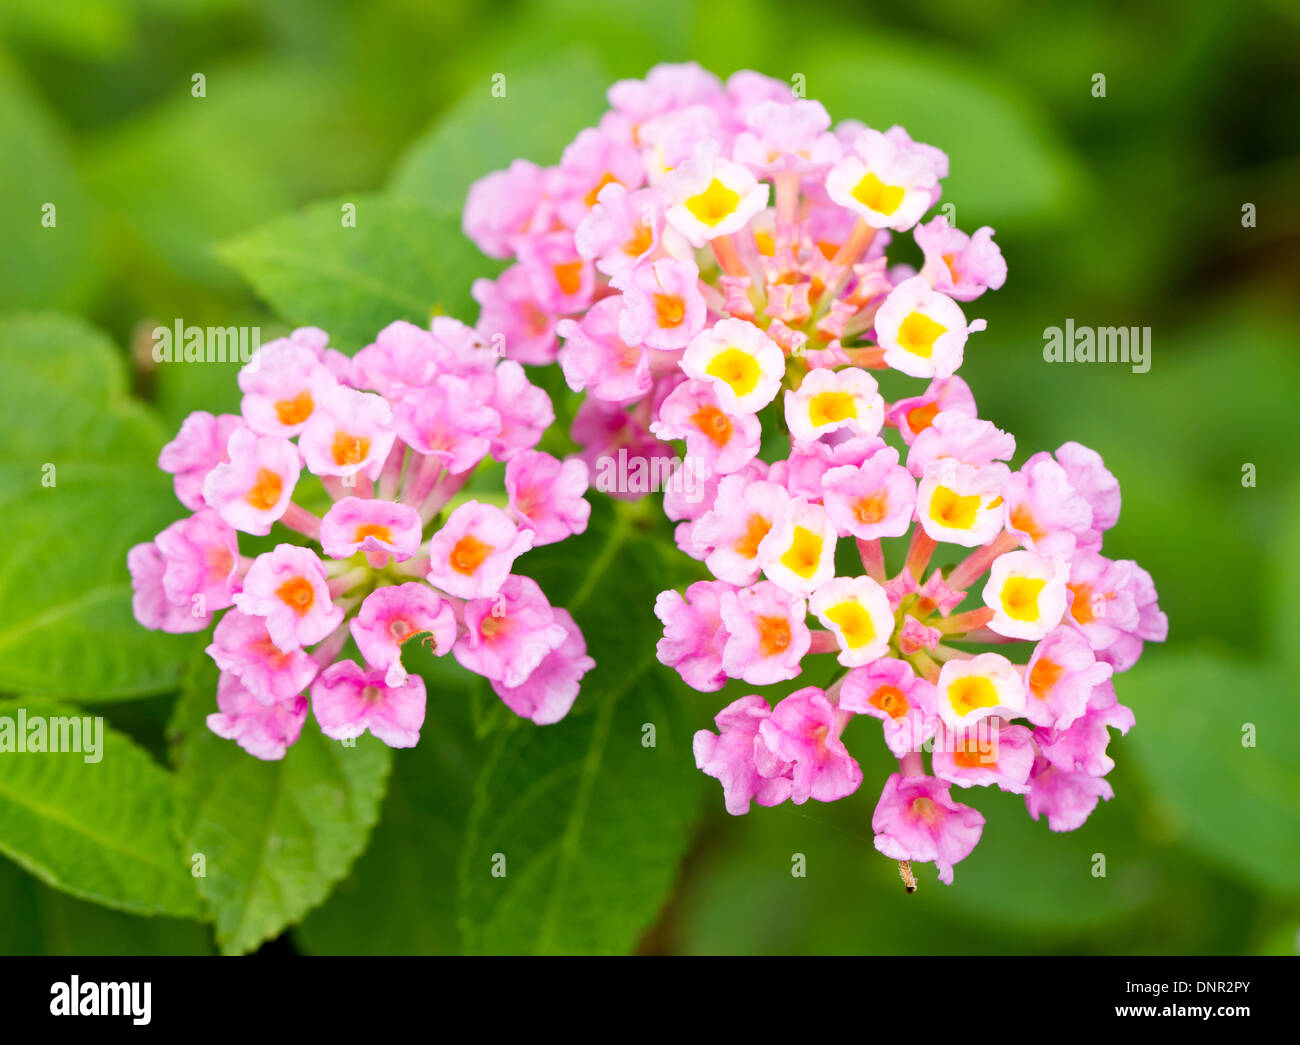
{"points": [[393, 435], [714, 258]]}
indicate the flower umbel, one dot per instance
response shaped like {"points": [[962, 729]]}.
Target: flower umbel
{"points": [[715, 258], [389, 441]]}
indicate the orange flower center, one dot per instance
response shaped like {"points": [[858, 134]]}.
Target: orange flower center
{"points": [[1081, 608], [669, 309], [890, 700], [1045, 675], [640, 242], [714, 424], [296, 410], [605, 179], [967, 754], [773, 635], [1023, 519], [375, 530], [468, 555], [349, 449], [755, 530], [298, 594], [568, 275], [919, 418], [265, 492], [871, 509]]}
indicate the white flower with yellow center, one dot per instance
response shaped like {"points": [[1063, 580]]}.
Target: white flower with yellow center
{"points": [[1026, 592], [798, 553], [856, 610], [970, 690], [961, 504], [828, 400], [888, 187], [922, 331], [744, 365], [712, 196]]}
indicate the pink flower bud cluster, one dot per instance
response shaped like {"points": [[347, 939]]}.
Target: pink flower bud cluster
{"points": [[388, 439], [714, 258]]}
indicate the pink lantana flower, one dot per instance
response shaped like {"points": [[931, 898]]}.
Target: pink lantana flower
{"points": [[916, 819], [199, 447], [253, 488], [391, 616], [914, 414], [694, 634], [282, 386], [1067, 799], [1044, 509], [804, 729], [265, 731], [472, 555], [149, 600], [503, 206], [447, 422], [394, 435], [348, 700], [979, 757], [733, 756], [547, 495], [525, 411], [596, 357], [872, 500], [622, 229], [888, 689], [349, 434], [550, 690], [288, 587], [1081, 746], [510, 633], [743, 513], [1059, 679], [766, 636], [662, 304], [720, 441], [961, 266], [242, 645], [202, 570], [378, 528]]}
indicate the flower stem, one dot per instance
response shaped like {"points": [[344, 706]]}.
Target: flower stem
{"points": [[873, 559]]}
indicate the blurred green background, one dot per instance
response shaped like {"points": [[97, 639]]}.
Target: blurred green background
{"points": [[1117, 210]]}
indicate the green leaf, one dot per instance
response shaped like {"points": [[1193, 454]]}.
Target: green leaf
{"points": [[41, 920], [275, 837], [1007, 165], [544, 107], [591, 822], [1235, 801], [1286, 580], [400, 261], [79, 487], [192, 171], [42, 266], [100, 830], [88, 29], [414, 848]]}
